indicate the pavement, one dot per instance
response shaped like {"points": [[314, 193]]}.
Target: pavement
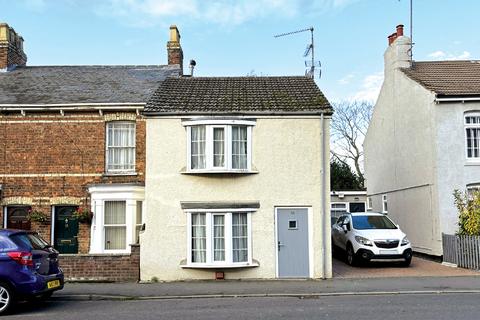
{"points": [[423, 277]]}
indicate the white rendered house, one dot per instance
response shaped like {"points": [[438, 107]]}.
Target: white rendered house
{"points": [[423, 142], [237, 180]]}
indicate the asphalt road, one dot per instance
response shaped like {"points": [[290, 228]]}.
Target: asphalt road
{"points": [[405, 306]]}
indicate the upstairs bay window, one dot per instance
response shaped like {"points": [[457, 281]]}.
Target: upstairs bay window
{"points": [[120, 147], [219, 147]]}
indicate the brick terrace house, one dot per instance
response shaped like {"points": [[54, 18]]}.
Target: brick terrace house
{"points": [[74, 137]]}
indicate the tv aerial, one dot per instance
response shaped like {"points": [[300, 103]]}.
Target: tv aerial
{"points": [[310, 50]]}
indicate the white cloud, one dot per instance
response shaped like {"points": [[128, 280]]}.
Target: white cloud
{"points": [[347, 79], [437, 54], [223, 12], [442, 55], [370, 88]]}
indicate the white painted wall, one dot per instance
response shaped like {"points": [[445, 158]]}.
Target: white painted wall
{"points": [[400, 154], [453, 169], [287, 155]]}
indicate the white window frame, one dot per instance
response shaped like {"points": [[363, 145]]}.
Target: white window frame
{"points": [[344, 204], [210, 263], [209, 126], [210, 146], [470, 188], [384, 203], [102, 193], [349, 203], [107, 142], [121, 225], [467, 127], [369, 203], [142, 219]]}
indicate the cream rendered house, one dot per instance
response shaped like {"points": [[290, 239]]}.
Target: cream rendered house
{"points": [[237, 180], [423, 142]]}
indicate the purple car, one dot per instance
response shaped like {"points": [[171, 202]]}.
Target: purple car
{"points": [[28, 268]]}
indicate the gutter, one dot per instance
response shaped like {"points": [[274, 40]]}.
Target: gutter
{"points": [[458, 99], [73, 106]]}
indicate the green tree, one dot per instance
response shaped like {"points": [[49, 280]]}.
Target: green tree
{"points": [[468, 206], [342, 177], [349, 127]]}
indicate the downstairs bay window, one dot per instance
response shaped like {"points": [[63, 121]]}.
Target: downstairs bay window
{"points": [[117, 217], [219, 239], [219, 146]]}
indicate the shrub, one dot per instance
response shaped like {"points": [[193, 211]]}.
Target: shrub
{"points": [[468, 206], [37, 216], [83, 214]]}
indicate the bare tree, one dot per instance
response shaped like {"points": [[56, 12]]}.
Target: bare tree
{"points": [[349, 127]]}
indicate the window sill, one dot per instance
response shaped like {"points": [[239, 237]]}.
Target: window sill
{"points": [[472, 163], [116, 174], [220, 266], [183, 171]]}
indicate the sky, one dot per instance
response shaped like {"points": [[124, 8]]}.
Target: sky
{"points": [[236, 38]]}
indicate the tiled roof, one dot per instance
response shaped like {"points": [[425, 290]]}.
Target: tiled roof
{"points": [[82, 84], [238, 95], [447, 78]]}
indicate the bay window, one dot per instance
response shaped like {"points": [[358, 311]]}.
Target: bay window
{"points": [[117, 217], [219, 239], [216, 146]]}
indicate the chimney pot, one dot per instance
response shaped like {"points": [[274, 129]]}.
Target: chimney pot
{"points": [[400, 30], [392, 38]]}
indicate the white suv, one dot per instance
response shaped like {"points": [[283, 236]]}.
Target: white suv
{"points": [[368, 235]]}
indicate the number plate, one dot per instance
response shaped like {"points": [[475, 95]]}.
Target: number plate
{"points": [[53, 284], [388, 252]]}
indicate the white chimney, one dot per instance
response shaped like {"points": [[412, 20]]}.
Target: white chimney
{"points": [[397, 54]]}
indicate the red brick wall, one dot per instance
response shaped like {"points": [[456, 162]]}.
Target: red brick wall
{"points": [[10, 55], [45, 157], [102, 267]]}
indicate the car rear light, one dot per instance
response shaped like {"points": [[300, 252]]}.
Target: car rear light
{"points": [[23, 258]]}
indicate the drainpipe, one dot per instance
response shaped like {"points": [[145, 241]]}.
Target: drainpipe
{"points": [[323, 214]]}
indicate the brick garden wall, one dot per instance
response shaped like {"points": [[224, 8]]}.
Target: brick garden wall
{"points": [[102, 267]]}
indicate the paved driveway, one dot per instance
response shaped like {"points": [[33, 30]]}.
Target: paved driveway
{"points": [[419, 268]]}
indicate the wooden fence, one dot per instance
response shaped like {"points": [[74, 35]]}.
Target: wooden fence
{"points": [[464, 251]]}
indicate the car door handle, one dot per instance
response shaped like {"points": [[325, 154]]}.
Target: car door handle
{"points": [[280, 244]]}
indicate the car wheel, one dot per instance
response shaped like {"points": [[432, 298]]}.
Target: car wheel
{"points": [[351, 259], [407, 262], [6, 298], [408, 259]]}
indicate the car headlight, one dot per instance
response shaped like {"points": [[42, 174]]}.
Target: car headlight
{"points": [[405, 241], [363, 241]]}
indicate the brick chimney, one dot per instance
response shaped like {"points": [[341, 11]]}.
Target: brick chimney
{"points": [[397, 54], [11, 49], [174, 49]]}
